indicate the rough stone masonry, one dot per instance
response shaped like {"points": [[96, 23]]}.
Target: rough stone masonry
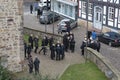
{"points": [[11, 38]]}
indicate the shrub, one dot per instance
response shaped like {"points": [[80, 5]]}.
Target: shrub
{"points": [[5, 74]]}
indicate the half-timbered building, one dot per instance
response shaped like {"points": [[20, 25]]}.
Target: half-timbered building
{"points": [[103, 14]]}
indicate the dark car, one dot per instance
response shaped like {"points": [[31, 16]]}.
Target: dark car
{"points": [[47, 17], [63, 24], [110, 38]]}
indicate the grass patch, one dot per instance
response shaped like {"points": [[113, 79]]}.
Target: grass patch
{"points": [[85, 71]]}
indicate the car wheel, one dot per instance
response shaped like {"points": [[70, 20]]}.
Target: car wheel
{"points": [[110, 44]]}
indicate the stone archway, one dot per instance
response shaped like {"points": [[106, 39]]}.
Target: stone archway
{"points": [[11, 28]]}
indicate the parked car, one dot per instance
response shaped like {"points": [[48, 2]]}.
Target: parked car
{"points": [[47, 17], [63, 24], [110, 38]]}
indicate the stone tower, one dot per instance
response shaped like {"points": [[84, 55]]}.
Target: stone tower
{"points": [[11, 38]]}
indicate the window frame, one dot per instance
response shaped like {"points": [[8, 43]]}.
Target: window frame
{"points": [[119, 16], [111, 13], [90, 9], [84, 4]]}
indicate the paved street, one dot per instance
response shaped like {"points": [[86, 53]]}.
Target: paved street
{"points": [[51, 67]]}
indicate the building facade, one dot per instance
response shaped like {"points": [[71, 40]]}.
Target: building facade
{"points": [[11, 37], [101, 13], [67, 8]]}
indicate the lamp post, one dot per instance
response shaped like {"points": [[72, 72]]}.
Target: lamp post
{"points": [[53, 17], [45, 24], [87, 12]]}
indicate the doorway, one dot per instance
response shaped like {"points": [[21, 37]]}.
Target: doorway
{"points": [[97, 18]]}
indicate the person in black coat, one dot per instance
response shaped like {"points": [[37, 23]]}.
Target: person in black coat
{"points": [[46, 41], [43, 46], [98, 45], [53, 49], [36, 42], [25, 49], [36, 65], [30, 40], [50, 41], [84, 44], [38, 13], [62, 51], [31, 8], [71, 34], [93, 45], [67, 44], [68, 28], [30, 64], [29, 50], [72, 45], [58, 50]]}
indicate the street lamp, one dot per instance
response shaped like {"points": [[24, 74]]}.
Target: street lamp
{"points": [[53, 17], [45, 24]]}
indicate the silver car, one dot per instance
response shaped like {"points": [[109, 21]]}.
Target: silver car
{"points": [[63, 24]]}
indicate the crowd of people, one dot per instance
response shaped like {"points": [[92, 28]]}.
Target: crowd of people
{"points": [[57, 48], [90, 41]]}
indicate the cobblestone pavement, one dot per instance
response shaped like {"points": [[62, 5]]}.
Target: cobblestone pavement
{"points": [[54, 68]]}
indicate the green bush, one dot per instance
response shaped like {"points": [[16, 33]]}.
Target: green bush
{"points": [[5, 74]]}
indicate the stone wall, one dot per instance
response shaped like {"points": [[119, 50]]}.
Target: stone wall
{"points": [[102, 63], [11, 30], [41, 34]]}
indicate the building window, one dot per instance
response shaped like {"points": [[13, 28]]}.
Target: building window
{"points": [[59, 5], [119, 17], [90, 9], [111, 13], [84, 7], [71, 9]]}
